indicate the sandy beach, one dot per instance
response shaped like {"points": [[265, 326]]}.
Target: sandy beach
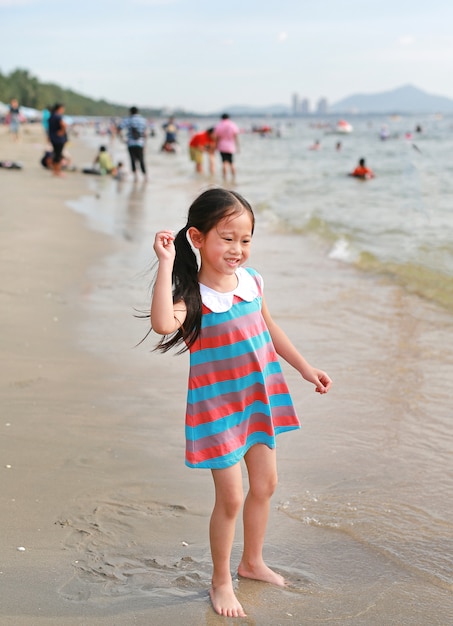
{"points": [[102, 524], [91, 491]]}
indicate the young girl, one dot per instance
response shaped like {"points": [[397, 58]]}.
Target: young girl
{"points": [[238, 400]]}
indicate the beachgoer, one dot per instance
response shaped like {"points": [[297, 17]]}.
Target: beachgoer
{"points": [[47, 159], [338, 146], [58, 137], [10, 165], [171, 136], [119, 173], [14, 119], [227, 139], [135, 126], [362, 171], [316, 145], [104, 161], [384, 133], [238, 400], [201, 142], [66, 161]]}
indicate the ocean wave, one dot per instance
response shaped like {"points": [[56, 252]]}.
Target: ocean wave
{"points": [[423, 281], [420, 277], [390, 527]]}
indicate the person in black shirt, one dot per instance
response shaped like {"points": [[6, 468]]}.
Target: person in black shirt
{"points": [[58, 137]]}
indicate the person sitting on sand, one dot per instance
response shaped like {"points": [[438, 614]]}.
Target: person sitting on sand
{"points": [[362, 171], [104, 161], [47, 160]]}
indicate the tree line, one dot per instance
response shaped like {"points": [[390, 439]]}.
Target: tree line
{"points": [[30, 92]]}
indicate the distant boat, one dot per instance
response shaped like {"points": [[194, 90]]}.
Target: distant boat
{"points": [[262, 130], [344, 127]]}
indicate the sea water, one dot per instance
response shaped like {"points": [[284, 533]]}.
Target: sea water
{"points": [[397, 224], [367, 487]]}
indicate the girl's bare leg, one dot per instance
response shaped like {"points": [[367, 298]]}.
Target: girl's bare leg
{"points": [[262, 470], [228, 502]]}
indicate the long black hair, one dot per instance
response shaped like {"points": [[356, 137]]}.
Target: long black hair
{"points": [[205, 213]]}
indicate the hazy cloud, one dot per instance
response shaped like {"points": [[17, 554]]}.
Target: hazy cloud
{"points": [[16, 3], [154, 2], [406, 40]]}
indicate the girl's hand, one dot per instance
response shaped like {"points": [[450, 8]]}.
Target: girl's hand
{"points": [[320, 379], [164, 246]]}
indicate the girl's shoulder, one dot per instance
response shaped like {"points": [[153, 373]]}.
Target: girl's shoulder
{"points": [[252, 273]]}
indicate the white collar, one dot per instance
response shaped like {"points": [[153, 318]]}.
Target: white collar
{"points": [[218, 302]]}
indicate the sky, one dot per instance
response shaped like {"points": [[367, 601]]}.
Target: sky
{"points": [[204, 55]]}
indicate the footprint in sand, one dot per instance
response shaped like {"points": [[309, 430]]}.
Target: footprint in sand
{"points": [[123, 549]]}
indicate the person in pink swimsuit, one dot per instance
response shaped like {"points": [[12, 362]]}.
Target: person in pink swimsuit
{"points": [[227, 143]]}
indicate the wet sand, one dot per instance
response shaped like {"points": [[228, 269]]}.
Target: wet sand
{"points": [[93, 483]]}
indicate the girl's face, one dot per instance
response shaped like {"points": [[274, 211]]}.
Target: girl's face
{"points": [[227, 246]]}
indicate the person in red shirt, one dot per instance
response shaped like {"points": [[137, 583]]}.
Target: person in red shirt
{"points": [[204, 141], [362, 171]]}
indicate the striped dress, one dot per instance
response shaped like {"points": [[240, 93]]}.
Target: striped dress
{"points": [[237, 394]]}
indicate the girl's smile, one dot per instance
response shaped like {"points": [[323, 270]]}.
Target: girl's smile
{"points": [[223, 249]]}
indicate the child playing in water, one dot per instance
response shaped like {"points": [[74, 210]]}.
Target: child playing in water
{"points": [[238, 400]]}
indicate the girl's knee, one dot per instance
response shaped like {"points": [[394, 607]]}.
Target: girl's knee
{"points": [[230, 503], [229, 493], [273, 484], [264, 488]]}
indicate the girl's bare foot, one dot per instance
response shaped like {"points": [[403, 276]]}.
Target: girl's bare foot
{"points": [[262, 572], [225, 602]]}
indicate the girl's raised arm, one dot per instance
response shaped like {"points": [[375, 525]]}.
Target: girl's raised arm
{"points": [[286, 349], [166, 317]]}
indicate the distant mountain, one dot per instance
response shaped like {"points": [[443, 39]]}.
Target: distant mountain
{"points": [[406, 99]]}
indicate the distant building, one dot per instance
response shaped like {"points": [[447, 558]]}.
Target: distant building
{"points": [[322, 107], [300, 107]]}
